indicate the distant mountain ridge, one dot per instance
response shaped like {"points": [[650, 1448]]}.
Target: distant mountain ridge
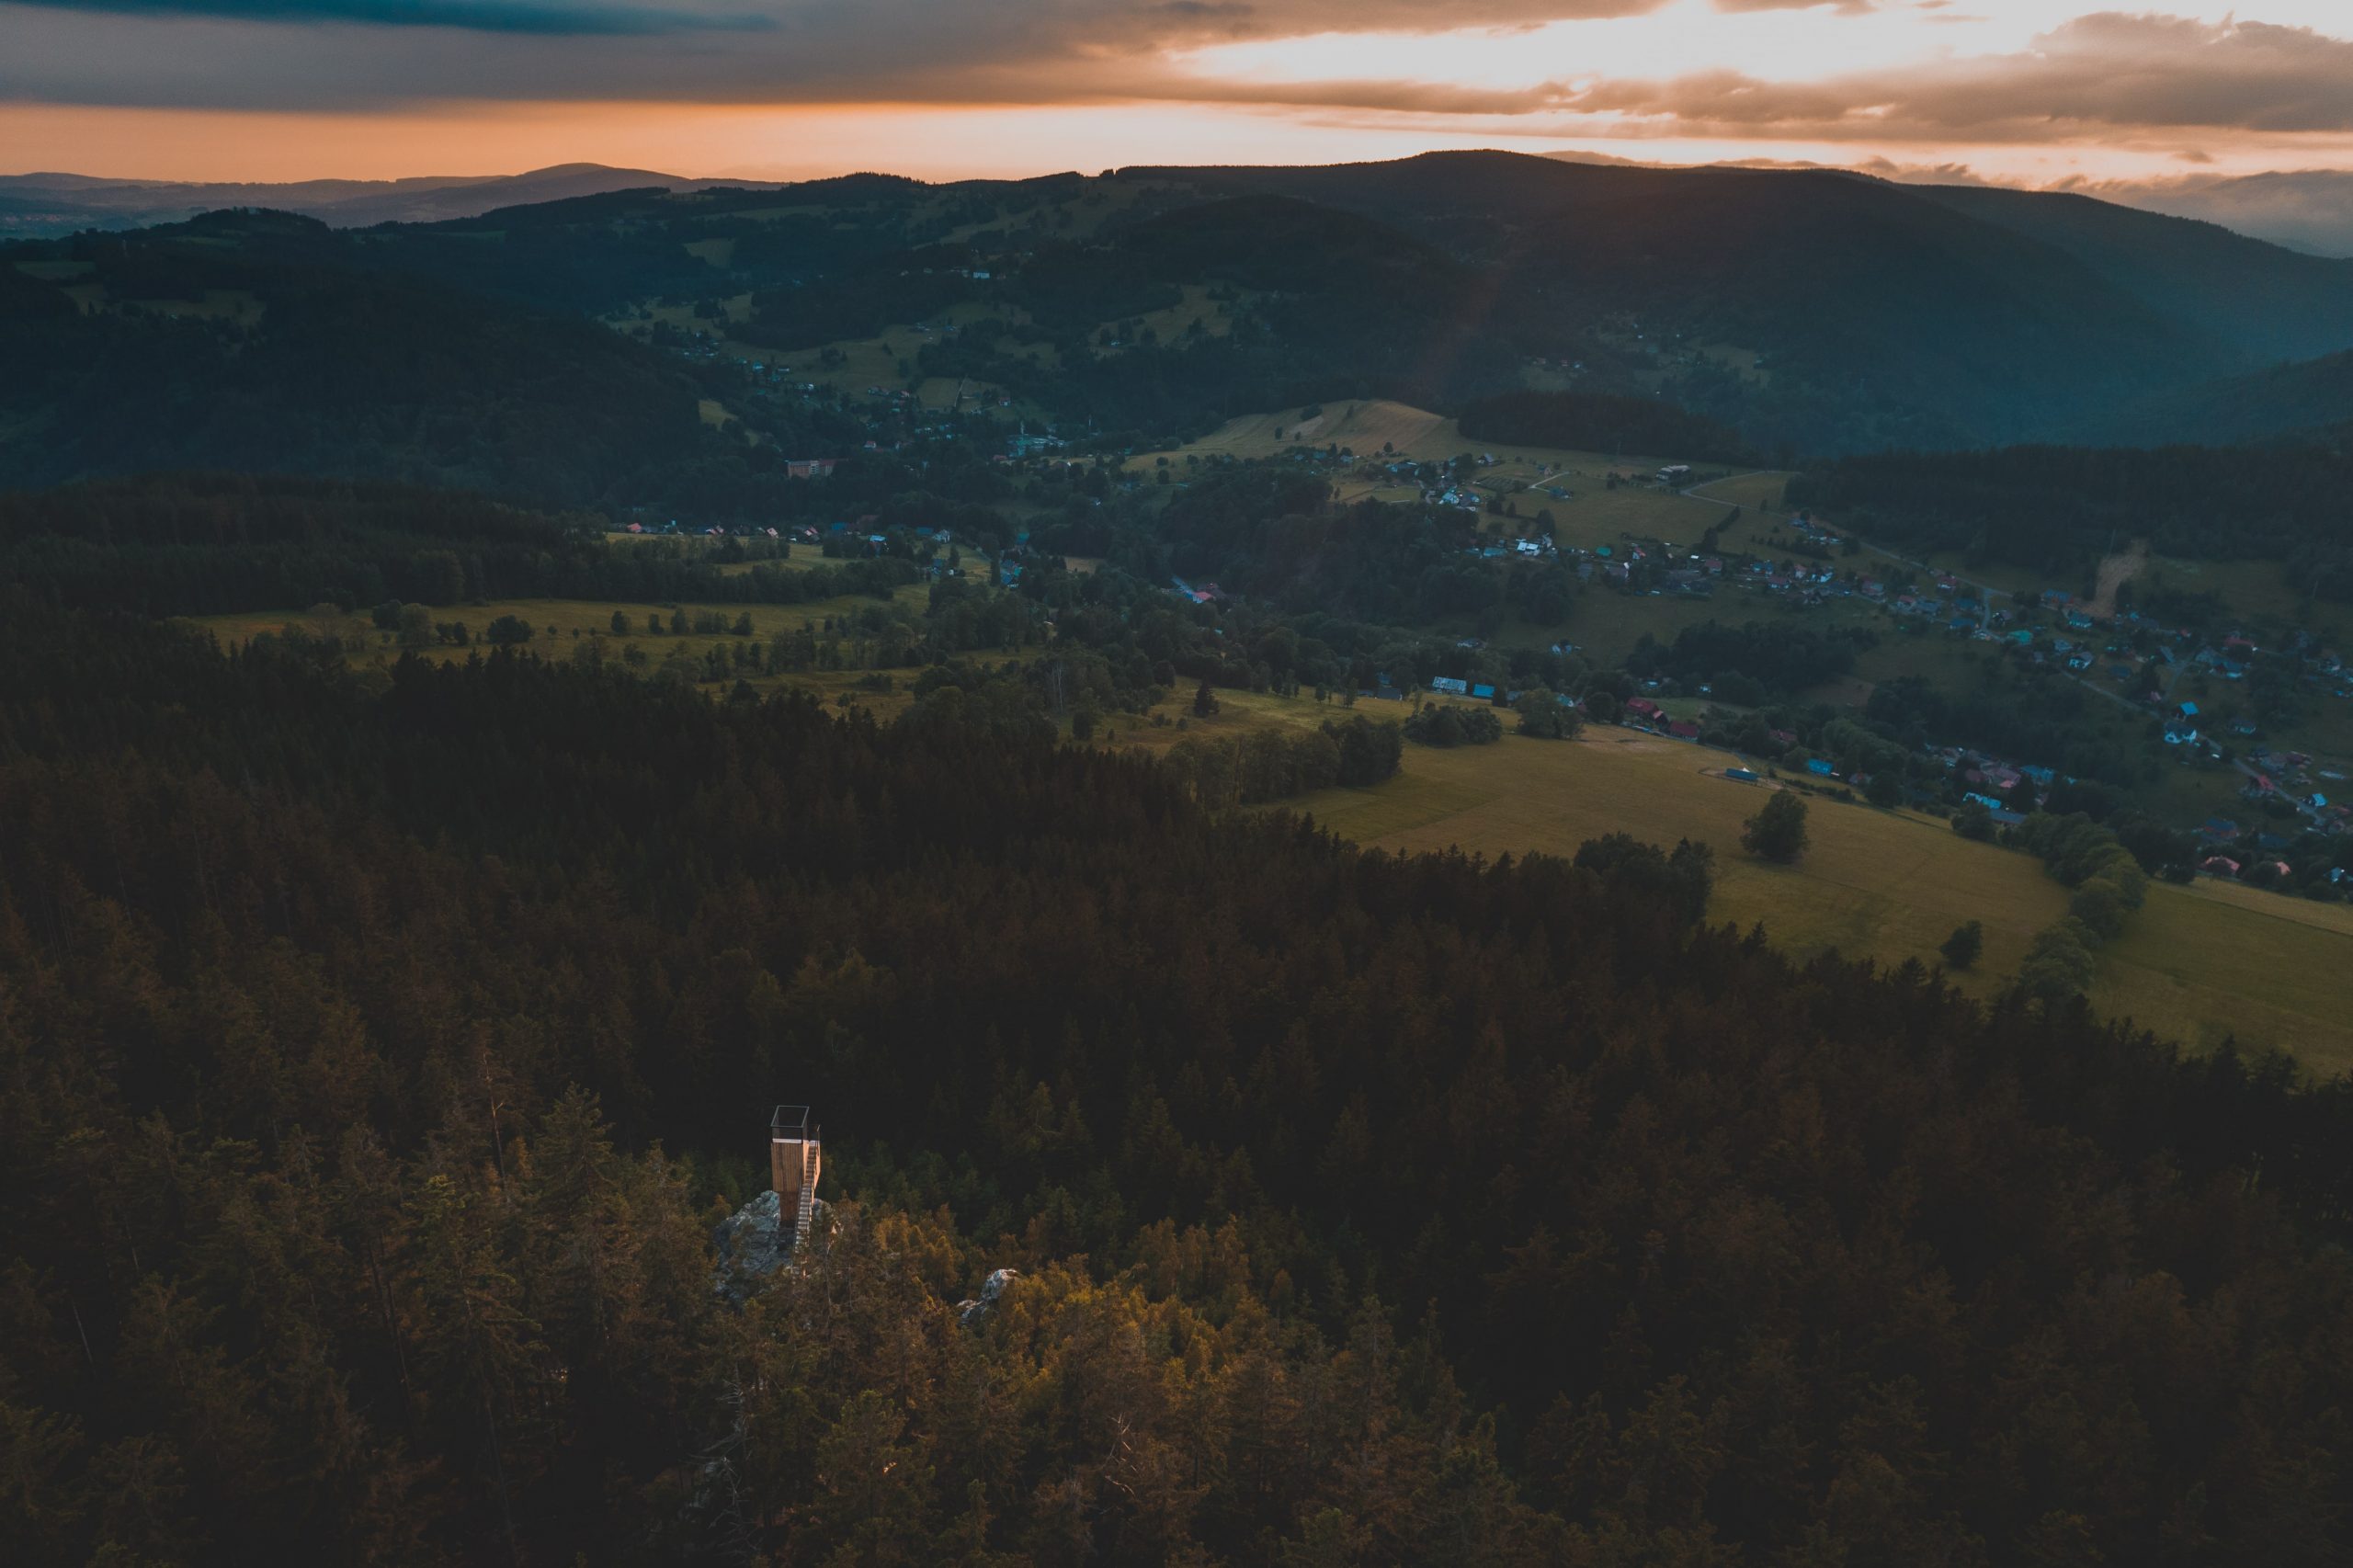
{"points": [[1811, 311], [35, 205], [2305, 209], [1913, 315]]}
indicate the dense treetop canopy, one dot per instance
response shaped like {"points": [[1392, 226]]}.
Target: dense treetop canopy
{"points": [[372, 1065]]}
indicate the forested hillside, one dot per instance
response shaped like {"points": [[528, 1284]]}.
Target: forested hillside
{"points": [[2261, 298], [202, 544], [2060, 508], [262, 343], [2307, 403], [1808, 312], [373, 1066], [1892, 315], [1600, 423]]}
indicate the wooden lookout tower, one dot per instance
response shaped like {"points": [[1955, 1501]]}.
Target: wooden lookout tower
{"points": [[794, 1155]]}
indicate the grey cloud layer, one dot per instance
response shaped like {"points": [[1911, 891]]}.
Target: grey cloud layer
{"points": [[2103, 74], [1141, 19], [535, 17], [351, 54]]}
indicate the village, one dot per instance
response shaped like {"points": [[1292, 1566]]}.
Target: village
{"points": [[2190, 685]]}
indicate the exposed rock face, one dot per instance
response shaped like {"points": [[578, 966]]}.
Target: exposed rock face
{"points": [[753, 1244], [971, 1313]]}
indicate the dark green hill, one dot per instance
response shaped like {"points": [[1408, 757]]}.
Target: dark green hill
{"points": [[212, 543], [1597, 422], [261, 343], [2059, 509], [2263, 299], [2309, 400], [1877, 315], [2256, 296], [1886, 317]]}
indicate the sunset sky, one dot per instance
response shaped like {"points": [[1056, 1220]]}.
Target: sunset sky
{"points": [[2032, 91]]}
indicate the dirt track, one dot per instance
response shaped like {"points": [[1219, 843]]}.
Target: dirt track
{"points": [[2114, 572]]}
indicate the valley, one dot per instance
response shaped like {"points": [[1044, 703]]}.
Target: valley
{"points": [[1472, 859]]}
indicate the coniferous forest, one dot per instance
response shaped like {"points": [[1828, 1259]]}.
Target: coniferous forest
{"points": [[375, 1063]]}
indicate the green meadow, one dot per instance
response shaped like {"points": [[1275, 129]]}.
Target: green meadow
{"points": [[2199, 963]]}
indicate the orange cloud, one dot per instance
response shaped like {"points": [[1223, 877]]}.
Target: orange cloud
{"points": [[2096, 75]]}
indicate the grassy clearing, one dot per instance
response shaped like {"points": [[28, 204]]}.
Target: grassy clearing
{"points": [[1169, 325], [1598, 515], [886, 363], [2199, 963], [1742, 362], [1593, 514], [2251, 588], [1753, 492], [883, 362], [558, 624], [1877, 884], [1607, 624], [719, 417], [1369, 424], [1072, 218], [734, 308], [238, 306], [2217, 959]]}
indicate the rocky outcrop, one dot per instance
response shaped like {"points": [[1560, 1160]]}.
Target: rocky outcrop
{"points": [[971, 1313], [753, 1244]]}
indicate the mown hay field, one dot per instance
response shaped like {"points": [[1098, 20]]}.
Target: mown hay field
{"points": [[2198, 964]]}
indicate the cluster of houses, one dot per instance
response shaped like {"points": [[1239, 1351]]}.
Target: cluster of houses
{"points": [[2295, 778], [2235, 854], [672, 529], [1643, 713], [1807, 581], [1538, 549], [2008, 790]]}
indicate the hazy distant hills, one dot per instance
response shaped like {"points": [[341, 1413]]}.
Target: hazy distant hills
{"points": [[1814, 312], [44, 204], [2306, 209]]}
